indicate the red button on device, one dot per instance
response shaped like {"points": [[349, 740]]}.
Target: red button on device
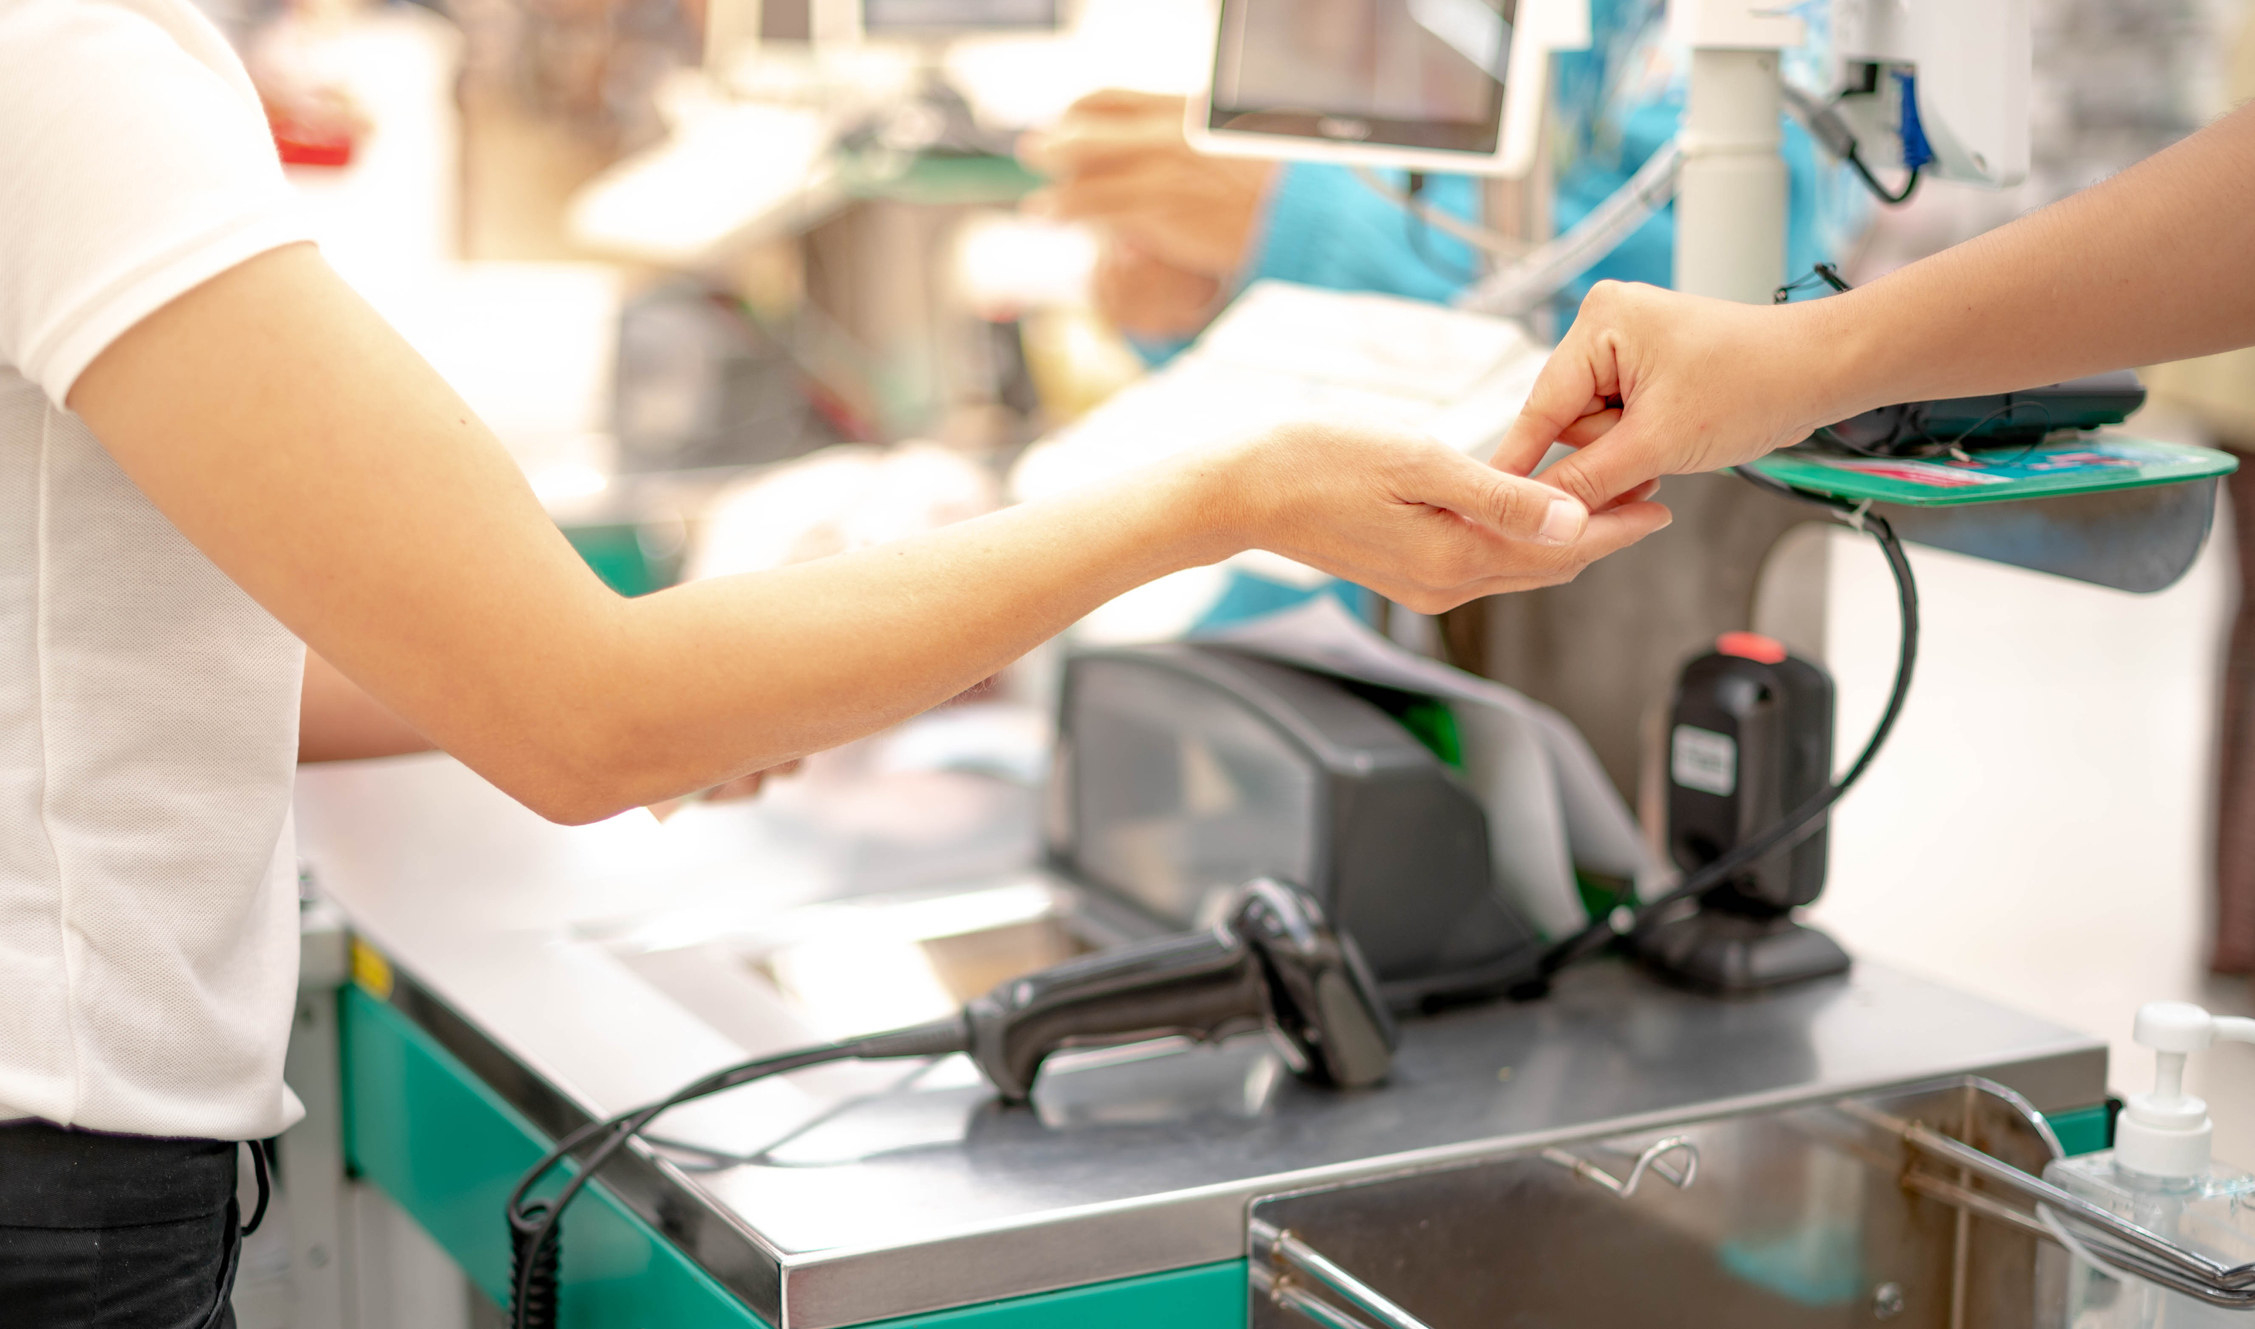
{"points": [[1751, 646]]}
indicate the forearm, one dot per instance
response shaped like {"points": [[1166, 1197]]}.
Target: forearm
{"points": [[2151, 265], [775, 665], [769, 666]]}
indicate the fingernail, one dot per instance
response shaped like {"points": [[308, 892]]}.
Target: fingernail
{"points": [[1562, 522]]}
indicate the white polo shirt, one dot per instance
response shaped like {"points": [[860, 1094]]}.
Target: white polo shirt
{"points": [[148, 708]]}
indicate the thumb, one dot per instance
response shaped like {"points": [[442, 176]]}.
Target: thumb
{"points": [[1609, 467], [1564, 392], [1508, 505]]}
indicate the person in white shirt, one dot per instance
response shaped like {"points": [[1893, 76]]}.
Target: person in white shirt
{"points": [[212, 451]]}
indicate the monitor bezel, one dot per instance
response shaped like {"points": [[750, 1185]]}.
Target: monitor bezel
{"points": [[1057, 21], [1507, 148]]}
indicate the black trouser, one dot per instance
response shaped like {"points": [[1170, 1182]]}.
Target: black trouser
{"points": [[115, 1231]]}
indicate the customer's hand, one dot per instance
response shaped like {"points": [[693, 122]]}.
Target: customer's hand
{"points": [[1118, 160], [1418, 522], [1652, 382]]}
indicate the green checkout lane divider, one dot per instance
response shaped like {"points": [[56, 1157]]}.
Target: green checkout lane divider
{"points": [[447, 1149]]}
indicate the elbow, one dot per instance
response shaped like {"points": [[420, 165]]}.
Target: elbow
{"points": [[565, 799], [578, 781], [574, 807], [574, 795]]}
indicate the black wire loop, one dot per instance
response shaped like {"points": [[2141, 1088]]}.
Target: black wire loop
{"points": [[1802, 821]]}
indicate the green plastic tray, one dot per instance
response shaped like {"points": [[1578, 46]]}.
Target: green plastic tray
{"points": [[2049, 470]]}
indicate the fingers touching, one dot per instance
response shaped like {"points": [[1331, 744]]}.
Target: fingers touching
{"points": [[1650, 383], [1443, 528], [1518, 509]]}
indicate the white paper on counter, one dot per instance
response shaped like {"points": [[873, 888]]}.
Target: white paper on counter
{"points": [[1550, 806]]}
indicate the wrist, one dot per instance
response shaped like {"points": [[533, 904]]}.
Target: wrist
{"points": [[1207, 505], [1853, 358]]}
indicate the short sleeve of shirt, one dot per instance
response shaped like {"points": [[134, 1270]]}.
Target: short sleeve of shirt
{"points": [[135, 164]]}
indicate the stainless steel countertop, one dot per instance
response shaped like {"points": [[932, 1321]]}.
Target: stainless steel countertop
{"points": [[889, 1190]]}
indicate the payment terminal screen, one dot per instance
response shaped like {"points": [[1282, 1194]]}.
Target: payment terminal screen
{"points": [[1407, 73]]}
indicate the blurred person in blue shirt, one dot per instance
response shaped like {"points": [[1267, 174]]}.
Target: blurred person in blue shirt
{"points": [[1183, 233]]}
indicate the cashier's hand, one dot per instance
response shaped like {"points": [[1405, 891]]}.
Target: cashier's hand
{"points": [[1175, 224], [743, 786], [1652, 382], [1412, 519], [1142, 297]]}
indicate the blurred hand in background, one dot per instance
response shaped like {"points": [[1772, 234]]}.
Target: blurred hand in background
{"points": [[743, 786], [1175, 225]]}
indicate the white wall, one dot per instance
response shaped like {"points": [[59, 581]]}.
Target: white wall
{"points": [[2038, 829]]}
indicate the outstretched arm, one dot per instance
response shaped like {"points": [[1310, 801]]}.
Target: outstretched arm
{"points": [[2155, 264], [292, 435]]}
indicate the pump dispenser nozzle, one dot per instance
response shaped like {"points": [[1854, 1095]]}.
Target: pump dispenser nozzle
{"points": [[2166, 1133]]}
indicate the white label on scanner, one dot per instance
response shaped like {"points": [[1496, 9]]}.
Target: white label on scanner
{"points": [[1704, 760]]}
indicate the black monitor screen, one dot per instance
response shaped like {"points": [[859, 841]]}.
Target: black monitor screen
{"points": [[1399, 73], [888, 17]]}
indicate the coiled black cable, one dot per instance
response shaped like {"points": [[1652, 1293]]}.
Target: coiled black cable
{"points": [[1802, 821], [535, 1234]]}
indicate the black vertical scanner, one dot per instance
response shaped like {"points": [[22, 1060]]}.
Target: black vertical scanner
{"points": [[1749, 739]]}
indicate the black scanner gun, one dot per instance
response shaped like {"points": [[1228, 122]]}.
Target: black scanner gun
{"points": [[1274, 963], [1749, 738]]}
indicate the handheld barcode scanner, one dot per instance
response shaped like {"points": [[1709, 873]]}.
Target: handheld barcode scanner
{"points": [[1275, 963], [1749, 739]]}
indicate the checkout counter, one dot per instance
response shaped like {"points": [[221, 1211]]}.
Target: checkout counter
{"points": [[511, 979]]}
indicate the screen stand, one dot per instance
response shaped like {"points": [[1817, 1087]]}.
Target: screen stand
{"points": [[1733, 947]]}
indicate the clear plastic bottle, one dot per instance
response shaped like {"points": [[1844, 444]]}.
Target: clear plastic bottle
{"points": [[2158, 1175], [2213, 1213]]}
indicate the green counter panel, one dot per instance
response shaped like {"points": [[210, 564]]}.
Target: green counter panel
{"points": [[615, 553], [448, 1149], [2082, 1130]]}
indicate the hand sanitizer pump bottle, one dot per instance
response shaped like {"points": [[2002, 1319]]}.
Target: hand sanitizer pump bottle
{"points": [[2160, 1176]]}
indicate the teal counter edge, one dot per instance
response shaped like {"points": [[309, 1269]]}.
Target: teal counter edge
{"points": [[447, 1149]]}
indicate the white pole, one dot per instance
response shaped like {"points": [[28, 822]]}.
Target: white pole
{"points": [[1730, 197]]}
